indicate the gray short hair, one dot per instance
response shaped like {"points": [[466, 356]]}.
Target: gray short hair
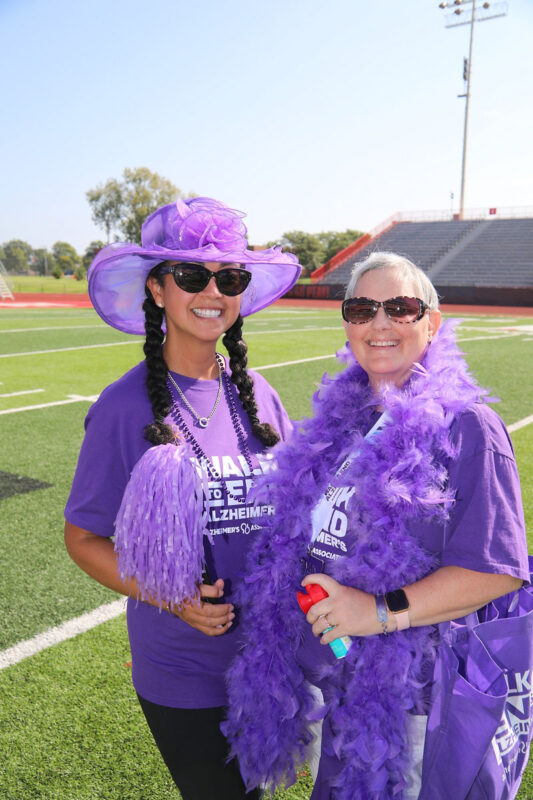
{"points": [[383, 260]]}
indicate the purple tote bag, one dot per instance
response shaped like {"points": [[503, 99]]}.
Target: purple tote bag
{"points": [[481, 718]]}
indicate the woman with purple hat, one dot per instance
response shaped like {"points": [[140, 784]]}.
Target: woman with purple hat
{"points": [[190, 426]]}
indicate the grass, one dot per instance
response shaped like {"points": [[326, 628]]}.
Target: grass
{"points": [[69, 718], [46, 284], [79, 750]]}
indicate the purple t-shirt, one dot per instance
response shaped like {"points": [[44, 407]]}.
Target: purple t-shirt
{"points": [[485, 531], [174, 664]]}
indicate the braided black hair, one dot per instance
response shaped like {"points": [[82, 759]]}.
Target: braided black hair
{"points": [[237, 349], [156, 376], [156, 373]]}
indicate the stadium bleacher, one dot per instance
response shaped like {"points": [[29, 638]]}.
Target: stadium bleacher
{"points": [[477, 260], [502, 255]]}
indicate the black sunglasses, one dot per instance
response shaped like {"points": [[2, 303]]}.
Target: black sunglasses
{"points": [[358, 310], [194, 278]]}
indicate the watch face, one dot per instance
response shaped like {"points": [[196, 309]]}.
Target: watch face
{"points": [[397, 601]]}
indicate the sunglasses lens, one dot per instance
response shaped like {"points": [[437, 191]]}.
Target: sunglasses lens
{"points": [[232, 281], [358, 310], [403, 309], [191, 279]]}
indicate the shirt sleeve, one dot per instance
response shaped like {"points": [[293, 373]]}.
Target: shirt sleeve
{"points": [[486, 529], [112, 445], [270, 406]]}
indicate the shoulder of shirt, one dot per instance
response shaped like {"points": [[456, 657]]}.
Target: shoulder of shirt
{"points": [[260, 382], [129, 390], [479, 428]]}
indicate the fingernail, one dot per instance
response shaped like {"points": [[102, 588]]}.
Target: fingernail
{"points": [[230, 623], [232, 615]]}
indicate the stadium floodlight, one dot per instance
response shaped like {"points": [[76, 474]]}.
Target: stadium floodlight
{"points": [[474, 13]]}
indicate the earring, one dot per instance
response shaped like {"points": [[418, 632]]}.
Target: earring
{"points": [[430, 337], [160, 304]]}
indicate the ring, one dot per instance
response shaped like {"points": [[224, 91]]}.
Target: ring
{"points": [[328, 623]]}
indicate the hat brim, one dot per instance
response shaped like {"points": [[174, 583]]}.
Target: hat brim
{"points": [[118, 274]]}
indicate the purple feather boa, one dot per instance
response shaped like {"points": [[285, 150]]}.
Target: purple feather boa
{"points": [[400, 477], [160, 526]]}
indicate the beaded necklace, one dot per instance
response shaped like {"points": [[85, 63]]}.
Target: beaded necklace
{"points": [[203, 459]]}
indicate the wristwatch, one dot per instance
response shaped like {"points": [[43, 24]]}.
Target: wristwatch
{"points": [[398, 604]]}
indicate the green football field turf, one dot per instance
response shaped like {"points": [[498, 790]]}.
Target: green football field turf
{"points": [[45, 284], [70, 725]]}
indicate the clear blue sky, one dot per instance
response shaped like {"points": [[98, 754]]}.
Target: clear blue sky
{"points": [[303, 113]]}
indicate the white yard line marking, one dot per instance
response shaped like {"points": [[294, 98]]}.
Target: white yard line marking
{"points": [[67, 630], [290, 363], [26, 391], [53, 328], [479, 338], [497, 328], [67, 349], [297, 330], [115, 344], [520, 424], [72, 398], [77, 398]]}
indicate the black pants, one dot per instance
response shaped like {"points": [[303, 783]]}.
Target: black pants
{"points": [[195, 752]]}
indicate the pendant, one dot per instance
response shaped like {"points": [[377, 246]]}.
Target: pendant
{"points": [[203, 422]]}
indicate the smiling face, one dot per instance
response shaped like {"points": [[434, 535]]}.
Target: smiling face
{"points": [[385, 349], [195, 318]]}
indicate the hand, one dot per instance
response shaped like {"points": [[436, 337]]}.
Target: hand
{"points": [[212, 619], [351, 611]]}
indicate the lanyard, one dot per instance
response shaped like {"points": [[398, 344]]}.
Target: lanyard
{"points": [[322, 511]]}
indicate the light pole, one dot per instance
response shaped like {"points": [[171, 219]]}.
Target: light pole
{"points": [[478, 12]]}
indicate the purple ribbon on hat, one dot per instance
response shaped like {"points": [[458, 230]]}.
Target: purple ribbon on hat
{"points": [[205, 221]]}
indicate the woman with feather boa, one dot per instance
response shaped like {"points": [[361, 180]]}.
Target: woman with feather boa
{"points": [[401, 499]]}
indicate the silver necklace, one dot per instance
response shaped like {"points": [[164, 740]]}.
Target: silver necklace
{"points": [[203, 422], [237, 427]]}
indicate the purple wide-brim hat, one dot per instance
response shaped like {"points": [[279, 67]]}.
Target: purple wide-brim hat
{"points": [[197, 229]]}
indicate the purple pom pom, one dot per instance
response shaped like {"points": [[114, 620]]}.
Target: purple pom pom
{"points": [[159, 529]]}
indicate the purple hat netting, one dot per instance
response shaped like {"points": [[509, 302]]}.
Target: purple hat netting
{"points": [[203, 221]]}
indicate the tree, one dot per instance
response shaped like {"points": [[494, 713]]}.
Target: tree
{"points": [[65, 257], [306, 246], [314, 249], [106, 205], [42, 261], [124, 205], [334, 241], [92, 249], [16, 256]]}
